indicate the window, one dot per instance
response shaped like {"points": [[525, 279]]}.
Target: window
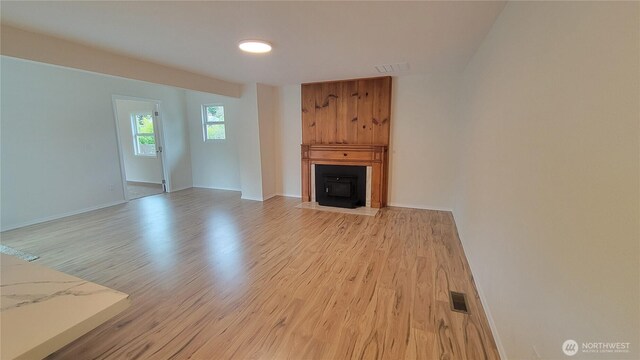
{"points": [[144, 137], [213, 122]]}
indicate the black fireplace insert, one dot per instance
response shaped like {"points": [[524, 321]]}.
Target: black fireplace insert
{"points": [[341, 185]]}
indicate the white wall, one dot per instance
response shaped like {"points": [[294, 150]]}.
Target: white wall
{"points": [[548, 194], [268, 101], [249, 144], [214, 163], [288, 140], [257, 149], [59, 152], [137, 168], [423, 147]]}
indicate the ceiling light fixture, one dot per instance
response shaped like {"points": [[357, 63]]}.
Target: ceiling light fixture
{"points": [[255, 46]]}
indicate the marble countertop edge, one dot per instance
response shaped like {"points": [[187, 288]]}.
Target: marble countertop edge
{"points": [[61, 340], [43, 310]]}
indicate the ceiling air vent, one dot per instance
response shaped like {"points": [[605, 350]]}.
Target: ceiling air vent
{"points": [[459, 302], [392, 68]]}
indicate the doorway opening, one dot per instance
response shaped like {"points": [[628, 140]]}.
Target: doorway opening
{"points": [[138, 124]]}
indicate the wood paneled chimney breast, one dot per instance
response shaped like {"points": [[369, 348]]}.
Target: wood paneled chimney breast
{"points": [[347, 122]]}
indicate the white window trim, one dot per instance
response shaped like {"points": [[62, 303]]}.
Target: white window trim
{"points": [[203, 110], [134, 129]]}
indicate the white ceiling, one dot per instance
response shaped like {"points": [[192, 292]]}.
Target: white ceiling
{"points": [[313, 41]]}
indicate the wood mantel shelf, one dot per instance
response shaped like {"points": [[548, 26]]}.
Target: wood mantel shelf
{"points": [[374, 155]]}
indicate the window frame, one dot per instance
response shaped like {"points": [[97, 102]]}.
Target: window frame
{"points": [[205, 122], [136, 134]]}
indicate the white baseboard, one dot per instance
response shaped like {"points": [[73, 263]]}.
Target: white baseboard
{"points": [[265, 198], [63, 215], [250, 198], [180, 188], [492, 324], [483, 299], [215, 187], [418, 206], [143, 182], [291, 195]]}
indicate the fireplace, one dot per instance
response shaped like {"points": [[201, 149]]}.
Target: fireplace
{"points": [[341, 185], [373, 158], [346, 122]]}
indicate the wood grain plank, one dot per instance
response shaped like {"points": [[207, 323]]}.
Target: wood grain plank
{"points": [[381, 110], [213, 276], [308, 102], [321, 111], [347, 114], [365, 111], [422, 346], [330, 128]]}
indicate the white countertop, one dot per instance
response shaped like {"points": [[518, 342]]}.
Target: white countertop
{"points": [[42, 310]]}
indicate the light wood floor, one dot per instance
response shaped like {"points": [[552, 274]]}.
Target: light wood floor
{"points": [[215, 277], [137, 190]]}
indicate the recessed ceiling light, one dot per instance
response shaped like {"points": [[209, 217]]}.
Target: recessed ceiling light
{"points": [[255, 46]]}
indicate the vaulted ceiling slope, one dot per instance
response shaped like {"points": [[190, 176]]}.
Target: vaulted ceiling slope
{"points": [[313, 41]]}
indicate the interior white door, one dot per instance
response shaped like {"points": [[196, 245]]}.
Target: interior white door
{"points": [[139, 134]]}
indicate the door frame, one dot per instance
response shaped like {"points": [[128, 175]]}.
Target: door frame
{"points": [[159, 139]]}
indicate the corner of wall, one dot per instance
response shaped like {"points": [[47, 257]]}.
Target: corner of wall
{"points": [[483, 299], [249, 144], [188, 183]]}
